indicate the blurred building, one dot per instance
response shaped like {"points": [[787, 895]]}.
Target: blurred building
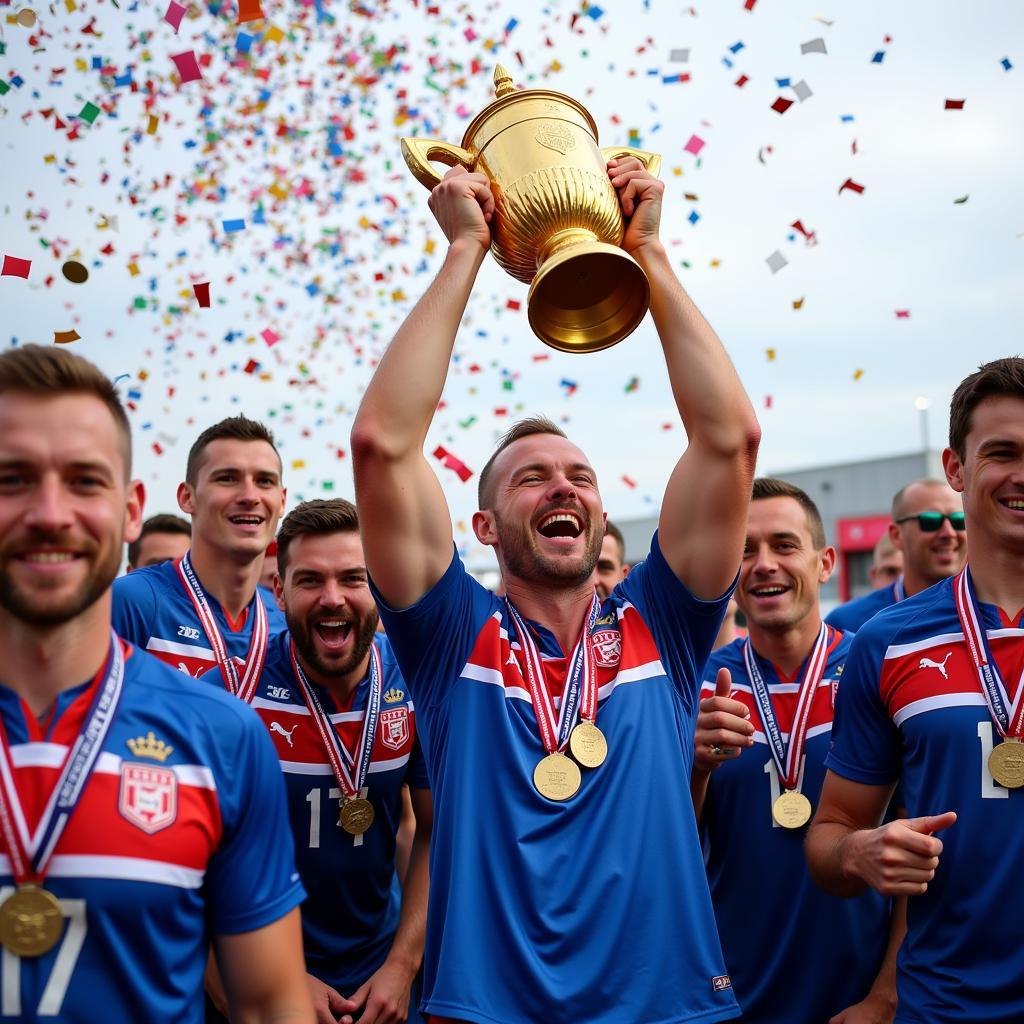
{"points": [[854, 499]]}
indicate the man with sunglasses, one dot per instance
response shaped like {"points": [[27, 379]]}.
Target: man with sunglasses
{"points": [[928, 527]]}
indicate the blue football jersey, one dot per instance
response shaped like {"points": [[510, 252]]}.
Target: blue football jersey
{"points": [[177, 837], [911, 707], [850, 617], [153, 611], [351, 915], [595, 909], [794, 953]]}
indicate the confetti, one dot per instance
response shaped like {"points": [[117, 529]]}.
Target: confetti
{"points": [[962, 199], [813, 46], [799, 303], [781, 105], [695, 145], [776, 261], [270, 337], [850, 185], [1005, 62], [231, 226], [89, 113], [65, 337], [770, 353], [680, 56], [173, 15], [75, 272], [902, 314], [202, 293], [955, 104], [187, 65], [878, 57], [249, 10], [14, 266], [452, 462], [857, 374], [802, 90]]}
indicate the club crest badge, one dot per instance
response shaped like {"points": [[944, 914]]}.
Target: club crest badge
{"points": [[394, 727], [148, 796], [607, 647]]}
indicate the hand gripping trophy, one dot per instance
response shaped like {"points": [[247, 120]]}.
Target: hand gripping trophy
{"points": [[557, 225]]}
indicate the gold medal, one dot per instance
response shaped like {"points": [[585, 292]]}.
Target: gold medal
{"points": [[588, 745], [30, 921], [792, 809], [1006, 763], [356, 815], [557, 777]]}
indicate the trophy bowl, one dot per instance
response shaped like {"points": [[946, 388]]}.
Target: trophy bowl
{"points": [[557, 224]]}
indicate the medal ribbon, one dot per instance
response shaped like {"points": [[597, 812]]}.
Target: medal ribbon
{"points": [[257, 653], [580, 675], [788, 758], [342, 762], [899, 592], [1008, 717], [30, 854]]}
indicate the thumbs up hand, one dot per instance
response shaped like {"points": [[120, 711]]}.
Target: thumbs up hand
{"points": [[723, 727]]}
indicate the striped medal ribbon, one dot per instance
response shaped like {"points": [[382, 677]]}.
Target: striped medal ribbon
{"points": [[256, 656], [31, 922], [791, 809], [350, 768], [1006, 761]]}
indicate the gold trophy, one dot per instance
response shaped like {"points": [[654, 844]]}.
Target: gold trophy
{"points": [[557, 224]]}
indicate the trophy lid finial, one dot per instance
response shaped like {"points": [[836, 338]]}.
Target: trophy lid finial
{"points": [[503, 84]]}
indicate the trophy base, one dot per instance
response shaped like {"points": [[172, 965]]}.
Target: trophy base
{"points": [[587, 296]]}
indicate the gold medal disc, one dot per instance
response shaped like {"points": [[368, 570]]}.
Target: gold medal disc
{"points": [[792, 810], [30, 921], [588, 745], [557, 777], [356, 815], [1006, 763]]}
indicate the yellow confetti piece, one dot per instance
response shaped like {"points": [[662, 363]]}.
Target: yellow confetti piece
{"points": [[430, 246], [50, 158], [81, 65], [152, 126], [268, 376], [677, 171], [398, 295], [716, 263], [770, 353], [71, 6], [279, 190], [143, 374], [273, 34], [65, 337], [133, 269], [798, 303], [298, 463], [857, 374], [363, 222]]}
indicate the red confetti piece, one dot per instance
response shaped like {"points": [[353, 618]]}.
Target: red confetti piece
{"points": [[175, 12], [252, 366], [629, 481], [781, 105], [851, 185], [187, 65], [513, 304], [902, 314], [453, 463], [65, 337], [202, 294], [270, 337], [748, 5], [742, 81], [14, 266], [955, 104], [249, 10]]}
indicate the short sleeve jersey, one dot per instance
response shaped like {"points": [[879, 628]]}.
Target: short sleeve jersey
{"points": [[351, 915], [177, 836], [911, 707], [802, 955], [596, 909], [850, 617], [153, 611]]}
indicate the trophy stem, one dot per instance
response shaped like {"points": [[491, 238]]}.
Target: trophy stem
{"points": [[562, 240]]}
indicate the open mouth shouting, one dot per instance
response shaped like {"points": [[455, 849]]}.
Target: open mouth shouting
{"points": [[561, 526], [333, 633]]}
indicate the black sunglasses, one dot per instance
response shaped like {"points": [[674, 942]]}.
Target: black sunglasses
{"points": [[932, 521]]}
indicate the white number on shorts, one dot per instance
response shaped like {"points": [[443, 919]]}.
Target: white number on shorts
{"points": [[52, 999]]}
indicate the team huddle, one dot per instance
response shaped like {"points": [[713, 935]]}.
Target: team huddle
{"points": [[373, 790]]}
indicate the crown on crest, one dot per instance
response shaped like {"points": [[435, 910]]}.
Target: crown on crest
{"points": [[393, 695], [150, 746]]}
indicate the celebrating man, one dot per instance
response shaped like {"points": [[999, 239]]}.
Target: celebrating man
{"points": [[559, 883], [136, 824], [163, 539], [928, 528], [804, 955], [339, 713], [205, 609], [933, 696]]}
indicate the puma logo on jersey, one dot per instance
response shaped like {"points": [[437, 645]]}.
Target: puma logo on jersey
{"points": [[188, 632], [279, 693], [940, 665], [286, 733]]}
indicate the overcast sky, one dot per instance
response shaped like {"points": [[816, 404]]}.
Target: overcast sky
{"points": [[306, 128]]}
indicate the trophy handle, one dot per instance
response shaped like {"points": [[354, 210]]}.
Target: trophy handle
{"points": [[419, 152], [651, 161]]}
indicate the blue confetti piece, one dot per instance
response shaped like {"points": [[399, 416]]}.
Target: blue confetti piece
{"points": [[594, 12], [1006, 63], [125, 79], [846, 118], [510, 25], [97, 63], [736, 47], [878, 57], [694, 217], [782, 82], [727, 62], [234, 225], [244, 42]]}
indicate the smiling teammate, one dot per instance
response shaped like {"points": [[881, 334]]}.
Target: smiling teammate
{"points": [[933, 695], [549, 881], [759, 761], [206, 609]]}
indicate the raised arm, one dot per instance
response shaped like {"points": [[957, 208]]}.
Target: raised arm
{"points": [[704, 512], [404, 518]]}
